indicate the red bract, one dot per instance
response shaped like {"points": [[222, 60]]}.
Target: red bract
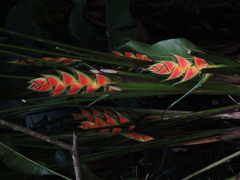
{"points": [[101, 119], [52, 80], [182, 67], [68, 83], [107, 118], [67, 78], [143, 57], [102, 80], [74, 88], [175, 69], [110, 120], [87, 125], [138, 137], [184, 64], [59, 89], [83, 78], [117, 53], [40, 84], [132, 55], [95, 112], [84, 114], [200, 63], [92, 87]]}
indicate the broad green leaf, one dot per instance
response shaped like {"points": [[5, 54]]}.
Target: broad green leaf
{"points": [[161, 50], [19, 163]]}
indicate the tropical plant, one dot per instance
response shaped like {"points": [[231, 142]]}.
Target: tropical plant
{"points": [[77, 106]]}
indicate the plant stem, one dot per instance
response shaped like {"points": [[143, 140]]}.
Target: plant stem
{"points": [[102, 54], [16, 77], [80, 58], [75, 157], [213, 165], [48, 139], [36, 59]]}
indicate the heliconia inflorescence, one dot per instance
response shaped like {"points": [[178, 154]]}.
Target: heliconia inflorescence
{"points": [[174, 69], [132, 55], [95, 118], [59, 60], [182, 67], [69, 83]]}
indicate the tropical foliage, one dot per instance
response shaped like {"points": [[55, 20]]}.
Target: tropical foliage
{"points": [[78, 102]]}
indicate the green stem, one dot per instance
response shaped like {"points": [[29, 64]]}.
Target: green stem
{"points": [[107, 55], [228, 158], [184, 118], [72, 52], [39, 51], [36, 59], [16, 77], [115, 62], [68, 102], [215, 58]]}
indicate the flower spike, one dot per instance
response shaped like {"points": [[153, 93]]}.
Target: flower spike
{"points": [[59, 60], [137, 137], [67, 83], [100, 119]]}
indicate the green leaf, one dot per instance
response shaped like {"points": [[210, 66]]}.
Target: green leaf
{"points": [[161, 50], [119, 22], [78, 25], [19, 163]]}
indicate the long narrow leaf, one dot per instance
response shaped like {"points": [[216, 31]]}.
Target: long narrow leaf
{"points": [[22, 164]]}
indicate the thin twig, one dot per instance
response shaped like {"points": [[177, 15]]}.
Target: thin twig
{"points": [[75, 157], [233, 99], [17, 127], [73, 149]]}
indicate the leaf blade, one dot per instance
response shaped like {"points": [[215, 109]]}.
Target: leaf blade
{"points": [[22, 164]]}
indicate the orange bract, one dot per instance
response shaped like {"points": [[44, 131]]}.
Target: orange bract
{"points": [[182, 67], [69, 83], [107, 118], [102, 119], [132, 55]]}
